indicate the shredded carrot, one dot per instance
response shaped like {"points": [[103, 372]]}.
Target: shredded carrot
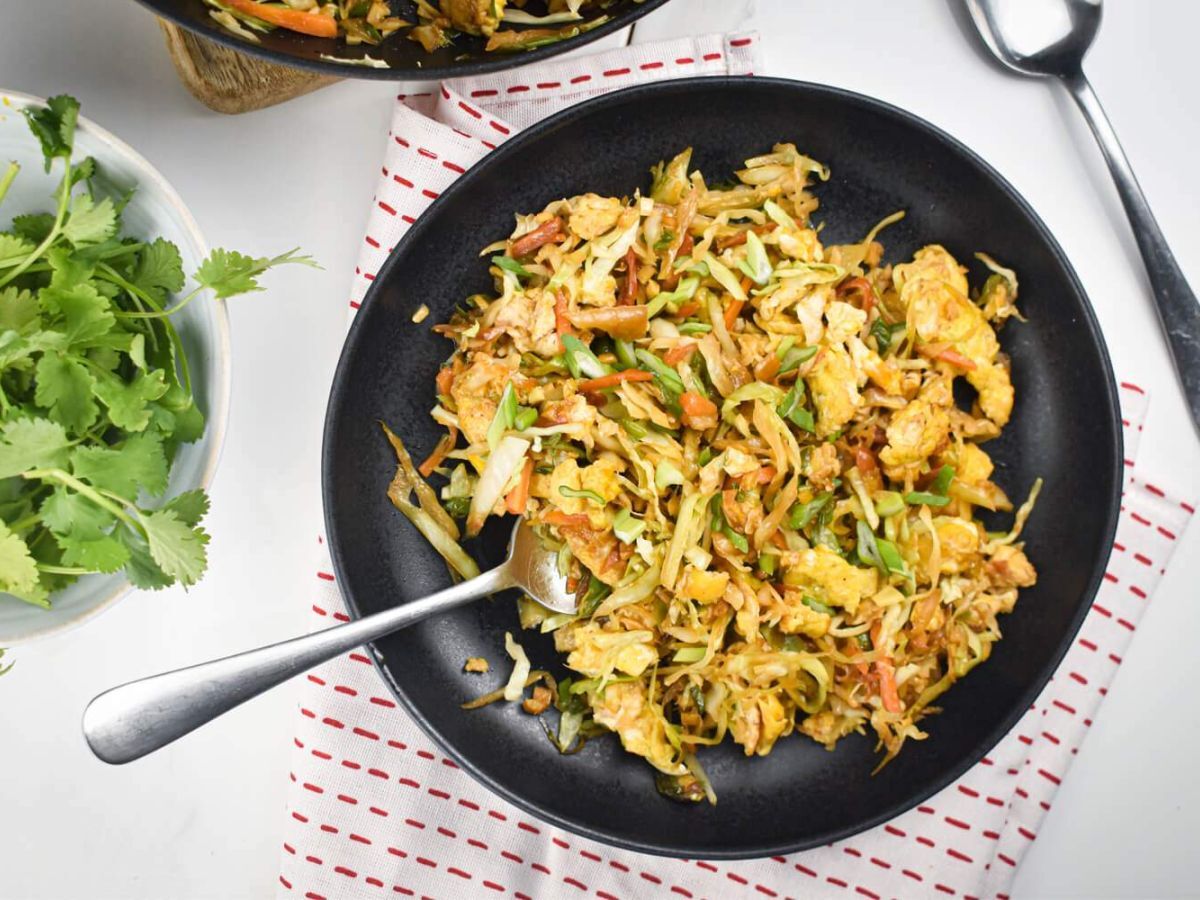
{"points": [[864, 460], [885, 671], [566, 520], [697, 407], [613, 379], [860, 286], [530, 241], [955, 358], [444, 446], [316, 24], [629, 294], [735, 240], [733, 310], [768, 368], [562, 325], [445, 378], [679, 352], [688, 309], [518, 497], [765, 474]]}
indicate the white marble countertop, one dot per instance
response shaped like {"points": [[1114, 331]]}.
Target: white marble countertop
{"points": [[202, 818]]}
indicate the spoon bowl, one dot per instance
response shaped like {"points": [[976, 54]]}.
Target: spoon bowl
{"points": [[1040, 38]]}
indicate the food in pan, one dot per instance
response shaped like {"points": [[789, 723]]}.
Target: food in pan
{"points": [[437, 23], [745, 444]]}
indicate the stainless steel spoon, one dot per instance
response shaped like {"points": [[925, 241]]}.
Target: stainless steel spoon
{"points": [[129, 721], [1049, 38]]}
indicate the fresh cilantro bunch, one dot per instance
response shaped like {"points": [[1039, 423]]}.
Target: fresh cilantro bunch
{"points": [[95, 392]]}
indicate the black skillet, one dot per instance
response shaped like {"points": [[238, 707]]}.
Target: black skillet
{"points": [[1065, 429], [406, 59]]}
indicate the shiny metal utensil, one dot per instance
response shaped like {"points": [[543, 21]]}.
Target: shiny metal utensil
{"points": [[1049, 38], [137, 718]]}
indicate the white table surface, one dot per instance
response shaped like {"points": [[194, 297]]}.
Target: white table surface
{"points": [[202, 819]]}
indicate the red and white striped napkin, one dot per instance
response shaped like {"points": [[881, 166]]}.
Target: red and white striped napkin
{"points": [[376, 810]]}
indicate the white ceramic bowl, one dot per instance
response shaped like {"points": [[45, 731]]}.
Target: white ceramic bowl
{"points": [[203, 325]]}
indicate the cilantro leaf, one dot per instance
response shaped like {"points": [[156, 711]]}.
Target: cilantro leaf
{"points": [[129, 404], [18, 310], [228, 273], [102, 554], [31, 444], [64, 389], [141, 569], [86, 314], [190, 506], [34, 227], [90, 222], [13, 246], [69, 268], [159, 270], [139, 463], [54, 126], [65, 512], [137, 351], [178, 549], [18, 570]]}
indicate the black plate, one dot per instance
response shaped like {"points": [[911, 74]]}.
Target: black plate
{"points": [[407, 60], [1066, 428]]}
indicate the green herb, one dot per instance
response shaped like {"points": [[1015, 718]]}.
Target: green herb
{"points": [[879, 552], [685, 290], [567, 491], [816, 605], [885, 334], [457, 506], [95, 390], [625, 354], [803, 513], [888, 503], [756, 265], [864, 642], [504, 417], [580, 360], [738, 540], [792, 410], [627, 528], [936, 495], [794, 356], [767, 564], [666, 474], [526, 416], [664, 239], [597, 590], [695, 328], [508, 264]]}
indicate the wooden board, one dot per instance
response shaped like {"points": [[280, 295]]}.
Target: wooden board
{"points": [[231, 82]]}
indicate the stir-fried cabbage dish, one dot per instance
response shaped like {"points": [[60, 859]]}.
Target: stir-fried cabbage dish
{"points": [[745, 445], [436, 23]]}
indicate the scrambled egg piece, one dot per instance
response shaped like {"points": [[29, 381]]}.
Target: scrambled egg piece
{"points": [[919, 429], [800, 619], [622, 707], [703, 587], [1010, 567], [474, 16], [476, 664], [832, 383], [528, 318], [827, 728], [476, 393], [843, 321], [593, 215], [598, 653], [827, 577], [599, 477], [758, 722]]}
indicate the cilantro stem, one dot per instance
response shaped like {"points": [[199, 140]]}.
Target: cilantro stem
{"points": [[22, 524], [114, 253], [7, 178], [92, 494], [63, 570], [160, 313], [63, 201]]}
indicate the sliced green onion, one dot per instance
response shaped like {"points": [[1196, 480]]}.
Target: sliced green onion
{"points": [[666, 474], [803, 513], [626, 527], [794, 357], [941, 482], [695, 328], [888, 503], [686, 290], [816, 605], [767, 564], [784, 346], [597, 590], [508, 264], [625, 354], [634, 428], [868, 548], [756, 264], [891, 557], [864, 641], [791, 409], [918, 498], [886, 334], [705, 456], [664, 239], [581, 360], [568, 491], [724, 277], [661, 369], [504, 418], [689, 654], [526, 416], [738, 540]]}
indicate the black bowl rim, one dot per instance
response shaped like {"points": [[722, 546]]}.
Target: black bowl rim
{"points": [[168, 9], [358, 333]]}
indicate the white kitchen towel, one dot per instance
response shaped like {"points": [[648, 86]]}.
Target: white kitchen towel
{"points": [[374, 809]]}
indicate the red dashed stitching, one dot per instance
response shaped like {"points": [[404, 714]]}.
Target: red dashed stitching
{"points": [[950, 851]]}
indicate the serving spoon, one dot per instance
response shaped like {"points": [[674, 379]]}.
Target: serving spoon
{"points": [[1049, 38], [131, 720]]}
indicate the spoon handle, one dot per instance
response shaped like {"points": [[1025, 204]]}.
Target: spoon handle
{"points": [[1178, 310], [134, 719]]}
